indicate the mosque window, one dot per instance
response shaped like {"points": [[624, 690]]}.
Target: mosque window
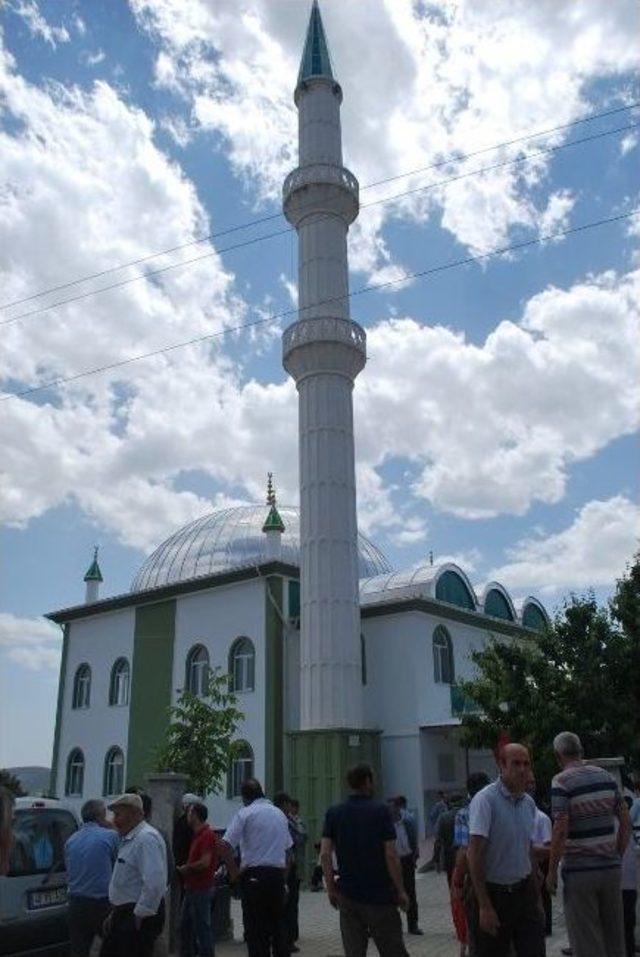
{"points": [[75, 774], [452, 588], [242, 665], [443, 669], [82, 687], [497, 605], [532, 617], [119, 684], [363, 660], [113, 772], [197, 677], [241, 768]]}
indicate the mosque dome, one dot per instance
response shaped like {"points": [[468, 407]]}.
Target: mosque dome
{"points": [[231, 538]]}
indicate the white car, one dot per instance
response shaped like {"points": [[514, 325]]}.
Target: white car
{"points": [[33, 895]]}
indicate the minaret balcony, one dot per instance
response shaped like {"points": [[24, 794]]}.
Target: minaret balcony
{"points": [[328, 344], [320, 188]]}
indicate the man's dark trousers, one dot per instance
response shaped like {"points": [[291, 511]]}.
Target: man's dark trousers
{"points": [[86, 917], [263, 895], [408, 865], [195, 923], [521, 919], [124, 939], [291, 905], [381, 922]]}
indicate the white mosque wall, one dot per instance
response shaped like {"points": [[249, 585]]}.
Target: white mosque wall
{"points": [[215, 618], [401, 697], [97, 641]]}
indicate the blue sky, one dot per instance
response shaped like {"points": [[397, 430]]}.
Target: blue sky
{"points": [[496, 419]]}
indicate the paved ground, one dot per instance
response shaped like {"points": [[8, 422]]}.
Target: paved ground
{"points": [[320, 936]]}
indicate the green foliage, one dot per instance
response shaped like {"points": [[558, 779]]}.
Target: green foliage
{"points": [[582, 674], [11, 783], [199, 739]]}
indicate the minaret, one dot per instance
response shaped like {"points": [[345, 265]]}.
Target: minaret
{"points": [[93, 578], [273, 526], [324, 351]]}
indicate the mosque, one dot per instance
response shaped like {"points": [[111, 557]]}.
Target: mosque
{"points": [[334, 656]]}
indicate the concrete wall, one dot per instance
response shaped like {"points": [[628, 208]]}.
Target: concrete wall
{"points": [[401, 696], [98, 641], [215, 618]]}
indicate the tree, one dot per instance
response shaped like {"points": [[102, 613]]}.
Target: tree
{"points": [[580, 674], [199, 739], [11, 783]]}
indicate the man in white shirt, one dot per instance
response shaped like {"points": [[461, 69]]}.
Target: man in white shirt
{"points": [[260, 832], [138, 883]]}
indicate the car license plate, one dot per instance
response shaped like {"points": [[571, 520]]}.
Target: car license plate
{"points": [[52, 897]]}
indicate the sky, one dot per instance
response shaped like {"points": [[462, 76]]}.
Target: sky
{"points": [[143, 146]]}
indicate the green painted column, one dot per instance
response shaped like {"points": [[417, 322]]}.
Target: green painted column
{"points": [[151, 680], [55, 759], [317, 765], [274, 686]]}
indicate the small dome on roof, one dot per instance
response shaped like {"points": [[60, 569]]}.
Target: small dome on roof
{"points": [[232, 538]]}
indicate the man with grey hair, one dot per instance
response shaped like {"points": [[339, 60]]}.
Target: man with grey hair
{"points": [[591, 830], [89, 856]]}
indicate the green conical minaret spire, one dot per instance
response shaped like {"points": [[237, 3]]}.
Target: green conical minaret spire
{"points": [[315, 57], [273, 521], [93, 572]]}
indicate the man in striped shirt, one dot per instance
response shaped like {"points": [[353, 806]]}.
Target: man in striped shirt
{"points": [[590, 833]]}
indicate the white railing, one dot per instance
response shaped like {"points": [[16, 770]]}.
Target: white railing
{"points": [[326, 329], [320, 173]]}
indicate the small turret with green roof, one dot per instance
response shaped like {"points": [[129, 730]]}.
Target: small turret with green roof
{"points": [[93, 579], [273, 521]]}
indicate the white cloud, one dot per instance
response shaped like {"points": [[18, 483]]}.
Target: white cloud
{"points": [[592, 551], [555, 217], [38, 25], [93, 59], [628, 143], [32, 642], [429, 81]]}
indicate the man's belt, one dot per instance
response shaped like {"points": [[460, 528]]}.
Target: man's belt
{"points": [[510, 888]]}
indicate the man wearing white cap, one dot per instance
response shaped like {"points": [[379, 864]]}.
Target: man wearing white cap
{"points": [[138, 883], [182, 833]]}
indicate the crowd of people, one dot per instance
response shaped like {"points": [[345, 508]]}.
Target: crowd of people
{"points": [[119, 871], [500, 852]]}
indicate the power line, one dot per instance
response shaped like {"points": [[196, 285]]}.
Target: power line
{"points": [[265, 219], [421, 274], [258, 239]]}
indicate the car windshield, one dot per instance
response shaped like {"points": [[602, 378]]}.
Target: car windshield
{"points": [[39, 835]]}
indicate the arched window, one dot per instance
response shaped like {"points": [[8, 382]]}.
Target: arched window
{"points": [[119, 684], [241, 768], [533, 618], [242, 665], [75, 774], [82, 687], [497, 605], [452, 588], [113, 780], [363, 660], [197, 677], [443, 670]]}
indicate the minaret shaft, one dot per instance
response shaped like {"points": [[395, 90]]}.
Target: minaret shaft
{"points": [[324, 351]]}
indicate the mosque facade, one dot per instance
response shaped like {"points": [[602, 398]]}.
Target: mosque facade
{"points": [[333, 655]]}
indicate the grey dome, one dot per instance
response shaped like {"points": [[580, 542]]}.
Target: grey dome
{"points": [[232, 538]]}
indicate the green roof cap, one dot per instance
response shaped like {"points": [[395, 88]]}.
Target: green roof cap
{"points": [[273, 523], [315, 58], [93, 572]]}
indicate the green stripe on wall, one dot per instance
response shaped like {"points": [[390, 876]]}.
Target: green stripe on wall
{"points": [[151, 680], [55, 759], [274, 687]]}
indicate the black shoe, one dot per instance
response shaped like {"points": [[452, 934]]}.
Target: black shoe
{"points": [[294, 950], [567, 951], [416, 931]]}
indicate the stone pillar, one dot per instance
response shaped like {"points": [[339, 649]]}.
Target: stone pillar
{"points": [[166, 792]]}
